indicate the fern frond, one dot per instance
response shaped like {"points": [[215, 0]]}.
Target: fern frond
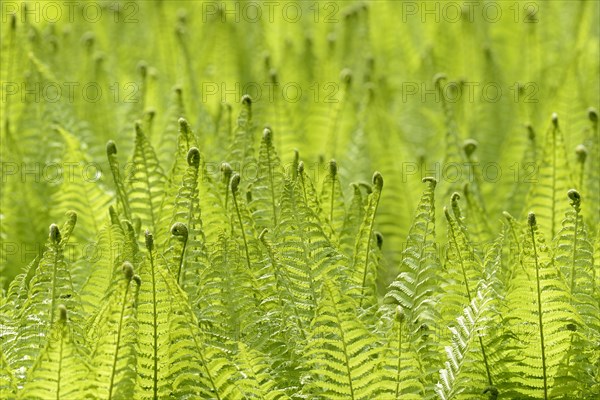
{"points": [[180, 173], [464, 375], [122, 200], [241, 152], [401, 366], [463, 269], [305, 253], [145, 187], [186, 229], [543, 318], [416, 288], [109, 253], [114, 358], [554, 180], [50, 285], [153, 310], [60, 368], [354, 219], [267, 186], [332, 199], [365, 262], [341, 354]]}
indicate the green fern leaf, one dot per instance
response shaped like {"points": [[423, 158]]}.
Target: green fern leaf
{"points": [[50, 285], [267, 186], [464, 375], [332, 198], [416, 288], [146, 184], [153, 310], [60, 368], [341, 353], [115, 331], [365, 262], [554, 180]]}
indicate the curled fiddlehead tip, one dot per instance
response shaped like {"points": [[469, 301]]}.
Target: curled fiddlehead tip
{"points": [[55, 233], [469, 147], [507, 215], [430, 179], [138, 128], [400, 313], [151, 113], [531, 220], [179, 229], [127, 270], [235, 182], [138, 281], [267, 59], [379, 239], [555, 120], [346, 76], [246, 100], [149, 240], [378, 180], [88, 39], [111, 148], [193, 157], [581, 152], [574, 196], [438, 78], [267, 135], [62, 313], [249, 196], [593, 114], [143, 68], [182, 16], [530, 132], [184, 126], [300, 167], [333, 168], [492, 391], [273, 75], [226, 170], [178, 91], [455, 197]]}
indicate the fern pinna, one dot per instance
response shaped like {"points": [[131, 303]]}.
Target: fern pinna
{"points": [[222, 245]]}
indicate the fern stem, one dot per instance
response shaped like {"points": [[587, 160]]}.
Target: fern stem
{"points": [[272, 188], [532, 226], [55, 235], [331, 205], [400, 321], [60, 360], [116, 355], [149, 246], [576, 201], [553, 210], [236, 178]]}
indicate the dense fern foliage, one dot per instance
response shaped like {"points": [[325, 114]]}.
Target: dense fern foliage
{"points": [[300, 205]]}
